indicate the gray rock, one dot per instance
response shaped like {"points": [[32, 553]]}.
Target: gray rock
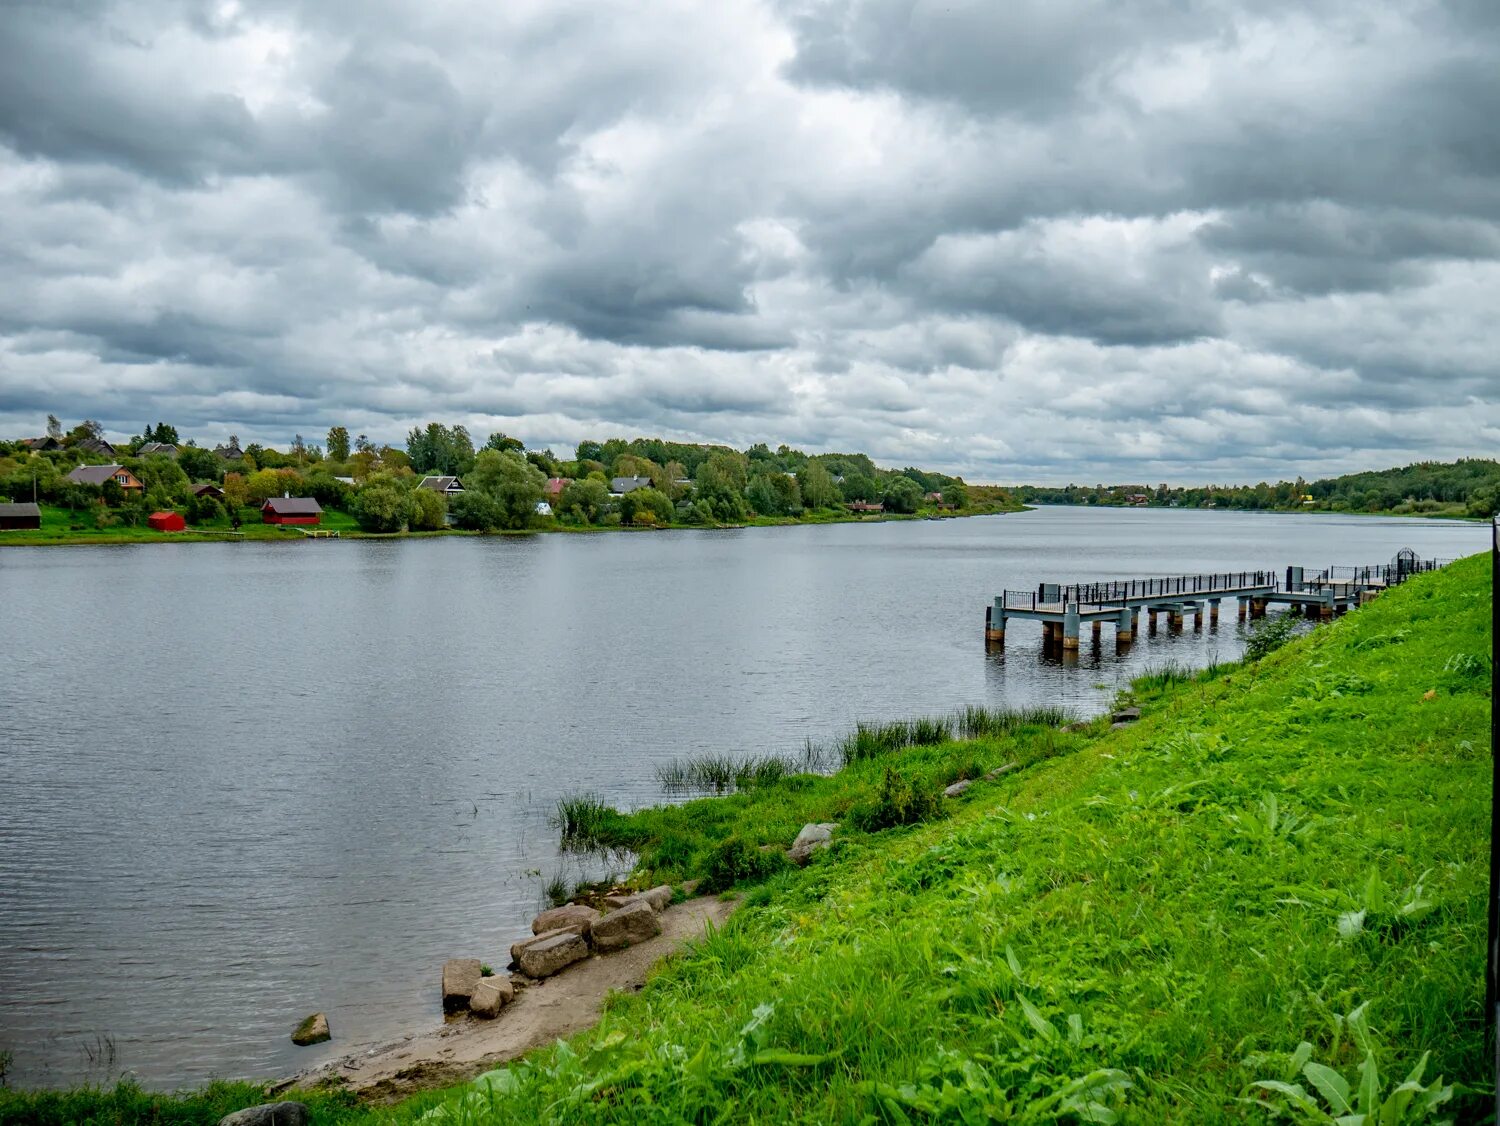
{"points": [[1001, 770], [313, 1030], [1118, 724], [659, 897], [1079, 725], [460, 976], [811, 837], [491, 995], [268, 1114], [572, 917], [1127, 715], [517, 947], [553, 953], [629, 925], [958, 788]]}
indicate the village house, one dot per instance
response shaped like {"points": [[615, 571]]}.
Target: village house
{"points": [[291, 510], [866, 506], [97, 446], [1139, 500], [20, 517], [554, 488], [44, 444], [99, 474], [231, 452], [208, 491], [448, 486], [157, 449], [619, 486]]}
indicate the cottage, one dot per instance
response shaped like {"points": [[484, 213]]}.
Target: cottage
{"points": [[20, 517], [98, 446], [448, 486], [1139, 500], [619, 486], [866, 506], [44, 444], [291, 510], [208, 491], [99, 474], [166, 522], [231, 452], [157, 449], [555, 486]]}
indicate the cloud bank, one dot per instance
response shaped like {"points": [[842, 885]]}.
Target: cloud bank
{"points": [[1051, 240]]}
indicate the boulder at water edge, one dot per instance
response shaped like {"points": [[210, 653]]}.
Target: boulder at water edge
{"points": [[313, 1030], [633, 923], [811, 837], [270, 1114], [548, 954], [659, 897], [460, 978], [490, 996], [573, 917]]}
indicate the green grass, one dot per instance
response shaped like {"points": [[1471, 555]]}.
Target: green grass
{"points": [[1135, 925], [62, 526]]}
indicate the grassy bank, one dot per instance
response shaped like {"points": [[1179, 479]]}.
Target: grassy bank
{"points": [[1135, 925], [62, 527]]}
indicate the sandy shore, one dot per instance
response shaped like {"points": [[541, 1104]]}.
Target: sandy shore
{"points": [[542, 1012]]}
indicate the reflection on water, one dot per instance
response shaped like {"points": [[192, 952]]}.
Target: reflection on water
{"points": [[243, 782]]}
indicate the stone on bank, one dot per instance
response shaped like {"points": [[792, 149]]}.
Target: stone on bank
{"points": [[270, 1114], [549, 954], [313, 1030], [460, 978], [633, 923]]}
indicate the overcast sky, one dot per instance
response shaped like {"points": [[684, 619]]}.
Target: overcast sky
{"points": [[1051, 240]]}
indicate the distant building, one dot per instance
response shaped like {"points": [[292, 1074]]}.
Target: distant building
{"points": [[166, 522], [208, 491], [345, 481], [231, 452], [44, 444], [448, 486], [99, 474], [619, 486], [866, 506], [97, 446], [555, 486], [157, 449], [1137, 499], [543, 508], [20, 517], [291, 510]]}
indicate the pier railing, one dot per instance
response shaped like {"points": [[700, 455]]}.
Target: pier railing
{"points": [[1051, 595]]}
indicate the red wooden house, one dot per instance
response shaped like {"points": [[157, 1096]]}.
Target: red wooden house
{"points": [[291, 510], [166, 522]]}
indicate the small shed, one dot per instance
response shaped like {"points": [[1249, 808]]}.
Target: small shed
{"points": [[166, 522], [20, 517], [291, 510]]}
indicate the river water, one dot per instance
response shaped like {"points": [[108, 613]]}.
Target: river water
{"points": [[243, 782]]}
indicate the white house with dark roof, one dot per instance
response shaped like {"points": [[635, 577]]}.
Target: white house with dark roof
{"points": [[448, 486]]}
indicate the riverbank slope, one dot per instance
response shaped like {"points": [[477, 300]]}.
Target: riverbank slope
{"points": [[1139, 924]]}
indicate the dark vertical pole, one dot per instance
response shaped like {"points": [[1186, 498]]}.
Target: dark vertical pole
{"points": [[1492, 962]]}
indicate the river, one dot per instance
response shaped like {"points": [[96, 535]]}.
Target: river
{"points": [[243, 782]]}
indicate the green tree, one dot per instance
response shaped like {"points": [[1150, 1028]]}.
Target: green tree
{"points": [[956, 493], [720, 482], [477, 512], [588, 498], [338, 443], [817, 487], [514, 483], [502, 442], [381, 507], [646, 506], [774, 494], [901, 494], [200, 465], [426, 510]]}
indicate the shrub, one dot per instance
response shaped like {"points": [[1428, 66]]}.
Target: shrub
{"points": [[1270, 635], [737, 861], [900, 802]]}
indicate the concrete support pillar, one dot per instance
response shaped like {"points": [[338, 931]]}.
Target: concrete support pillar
{"points": [[1098, 629], [1071, 623], [1326, 610], [1198, 618], [1241, 601], [1213, 612], [1124, 631], [1135, 620], [1151, 620], [994, 622], [1174, 622]]}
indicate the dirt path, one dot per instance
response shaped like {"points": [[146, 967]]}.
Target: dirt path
{"points": [[542, 1012]]}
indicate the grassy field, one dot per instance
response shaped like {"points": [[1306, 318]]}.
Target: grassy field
{"points": [[1264, 900]]}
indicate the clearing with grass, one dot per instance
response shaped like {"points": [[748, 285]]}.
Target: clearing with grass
{"points": [[1265, 901]]}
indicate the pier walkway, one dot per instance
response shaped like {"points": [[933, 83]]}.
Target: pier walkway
{"points": [[1063, 609]]}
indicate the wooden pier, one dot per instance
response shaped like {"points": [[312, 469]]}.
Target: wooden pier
{"points": [[1064, 609]]}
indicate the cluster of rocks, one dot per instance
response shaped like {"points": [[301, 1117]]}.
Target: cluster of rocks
{"points": [[559, 937]]}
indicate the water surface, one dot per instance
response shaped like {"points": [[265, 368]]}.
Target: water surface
{"points": [[242, 782]]}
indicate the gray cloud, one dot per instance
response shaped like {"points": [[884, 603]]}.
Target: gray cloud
{"points": [[1034, 240]]}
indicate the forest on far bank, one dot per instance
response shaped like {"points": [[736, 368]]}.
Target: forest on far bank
{"points": [[1466, 487]]}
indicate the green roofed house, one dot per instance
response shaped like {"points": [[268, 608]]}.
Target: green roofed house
{"points": [[20, 517]]}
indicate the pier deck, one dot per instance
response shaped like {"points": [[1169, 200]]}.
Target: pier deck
{"points": [[1063, 609]]}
